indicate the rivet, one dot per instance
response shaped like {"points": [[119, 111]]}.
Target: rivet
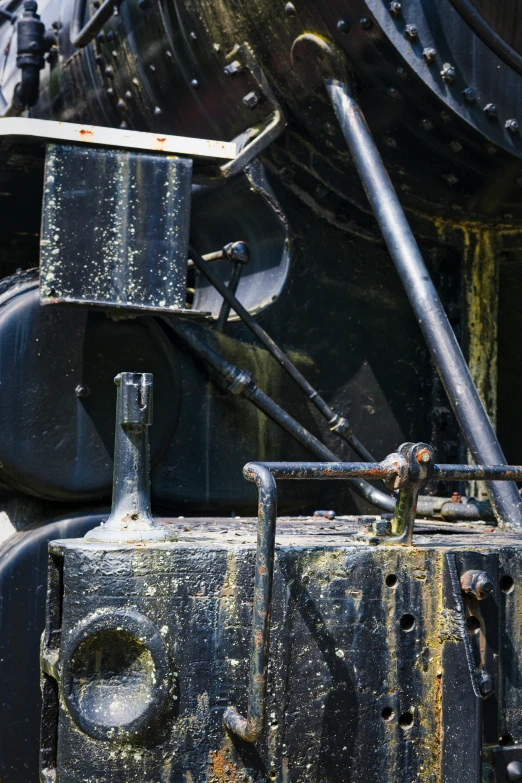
{"points": [[152, 68], [109, 71], [490, 110], [329, 128], [511, 126], [110, 92], [100, 38], [81, 390], [343, 26], [366, 23], [251, 99], [395, 8], [194, 84], [451, 179], [193, 36], [429, 54], [99, 59], [426, 124], [128, 94], [469, 94], [123, 125], [157, 110], [448, 73], [110, 35], [411, 32], [401, 72], [390, 142], [514, 771], [290, 9], [393, 93], [121, 105], [455, 146]]}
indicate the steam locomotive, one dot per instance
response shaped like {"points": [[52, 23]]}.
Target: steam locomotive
{"points": [[247, 251]]}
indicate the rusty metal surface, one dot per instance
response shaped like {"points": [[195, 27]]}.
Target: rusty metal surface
{"points": [[73, 133], [357, 687]]}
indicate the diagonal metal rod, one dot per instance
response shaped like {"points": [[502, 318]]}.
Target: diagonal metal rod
{"points": [[337, 423], [440, 338]]}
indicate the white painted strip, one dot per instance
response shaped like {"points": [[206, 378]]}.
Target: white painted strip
{"points": [[49, 130]]}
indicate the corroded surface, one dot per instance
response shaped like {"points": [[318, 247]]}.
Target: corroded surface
{"points": [[357, 685]]}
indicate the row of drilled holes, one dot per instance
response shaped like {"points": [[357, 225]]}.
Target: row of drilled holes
{"points": [[407, 623]]}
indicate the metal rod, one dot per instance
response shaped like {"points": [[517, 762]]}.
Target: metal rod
{"points": [[441, 340], [264, 475], [250, 728], [235, 277], [93, 26], [240, 382], [337, 423]]}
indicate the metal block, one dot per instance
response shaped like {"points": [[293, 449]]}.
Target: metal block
{"points": [[130, 212]]}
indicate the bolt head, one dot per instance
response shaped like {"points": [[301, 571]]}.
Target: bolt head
{"points": [[484, 585], [251, 99], [429, 54], [448, 73], [290, 9], [485, 683], [233, 68], [469, 94], [511, 126], [490, 110], [514, 771], [411, 32], [194, 84], [366, 23], [424, 455], [393, 93], [395, 8], [426, 124], [81, 390], [343, 26]]}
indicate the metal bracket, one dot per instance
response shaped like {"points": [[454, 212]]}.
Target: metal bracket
{"points": [[272, 127], [72, 133]]}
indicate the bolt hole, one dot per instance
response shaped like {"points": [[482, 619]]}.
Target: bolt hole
{"points": [[388, 713], [391, 580], [406, 720], [506, 583], [473, 624], [506, 739], [407, 622]]}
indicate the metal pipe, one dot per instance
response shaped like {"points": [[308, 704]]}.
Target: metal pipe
{"points": [[264, 475], [338, 424], [240, 382], [433, 321], [250, 728], [235, 277]]}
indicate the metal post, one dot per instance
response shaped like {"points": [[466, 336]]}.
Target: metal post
{"points": [[130, 519], [421, 292]]}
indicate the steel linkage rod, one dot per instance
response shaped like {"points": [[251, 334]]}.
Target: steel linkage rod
{"points": [[337, 423], [440, 338], [239, 382]]}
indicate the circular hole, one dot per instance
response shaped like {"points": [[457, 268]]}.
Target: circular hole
{"points": [[473, 624], [391, 580], [506, 739], [388, 713], [506, 583], [113, 677], [407, 622], [406, 720]]}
